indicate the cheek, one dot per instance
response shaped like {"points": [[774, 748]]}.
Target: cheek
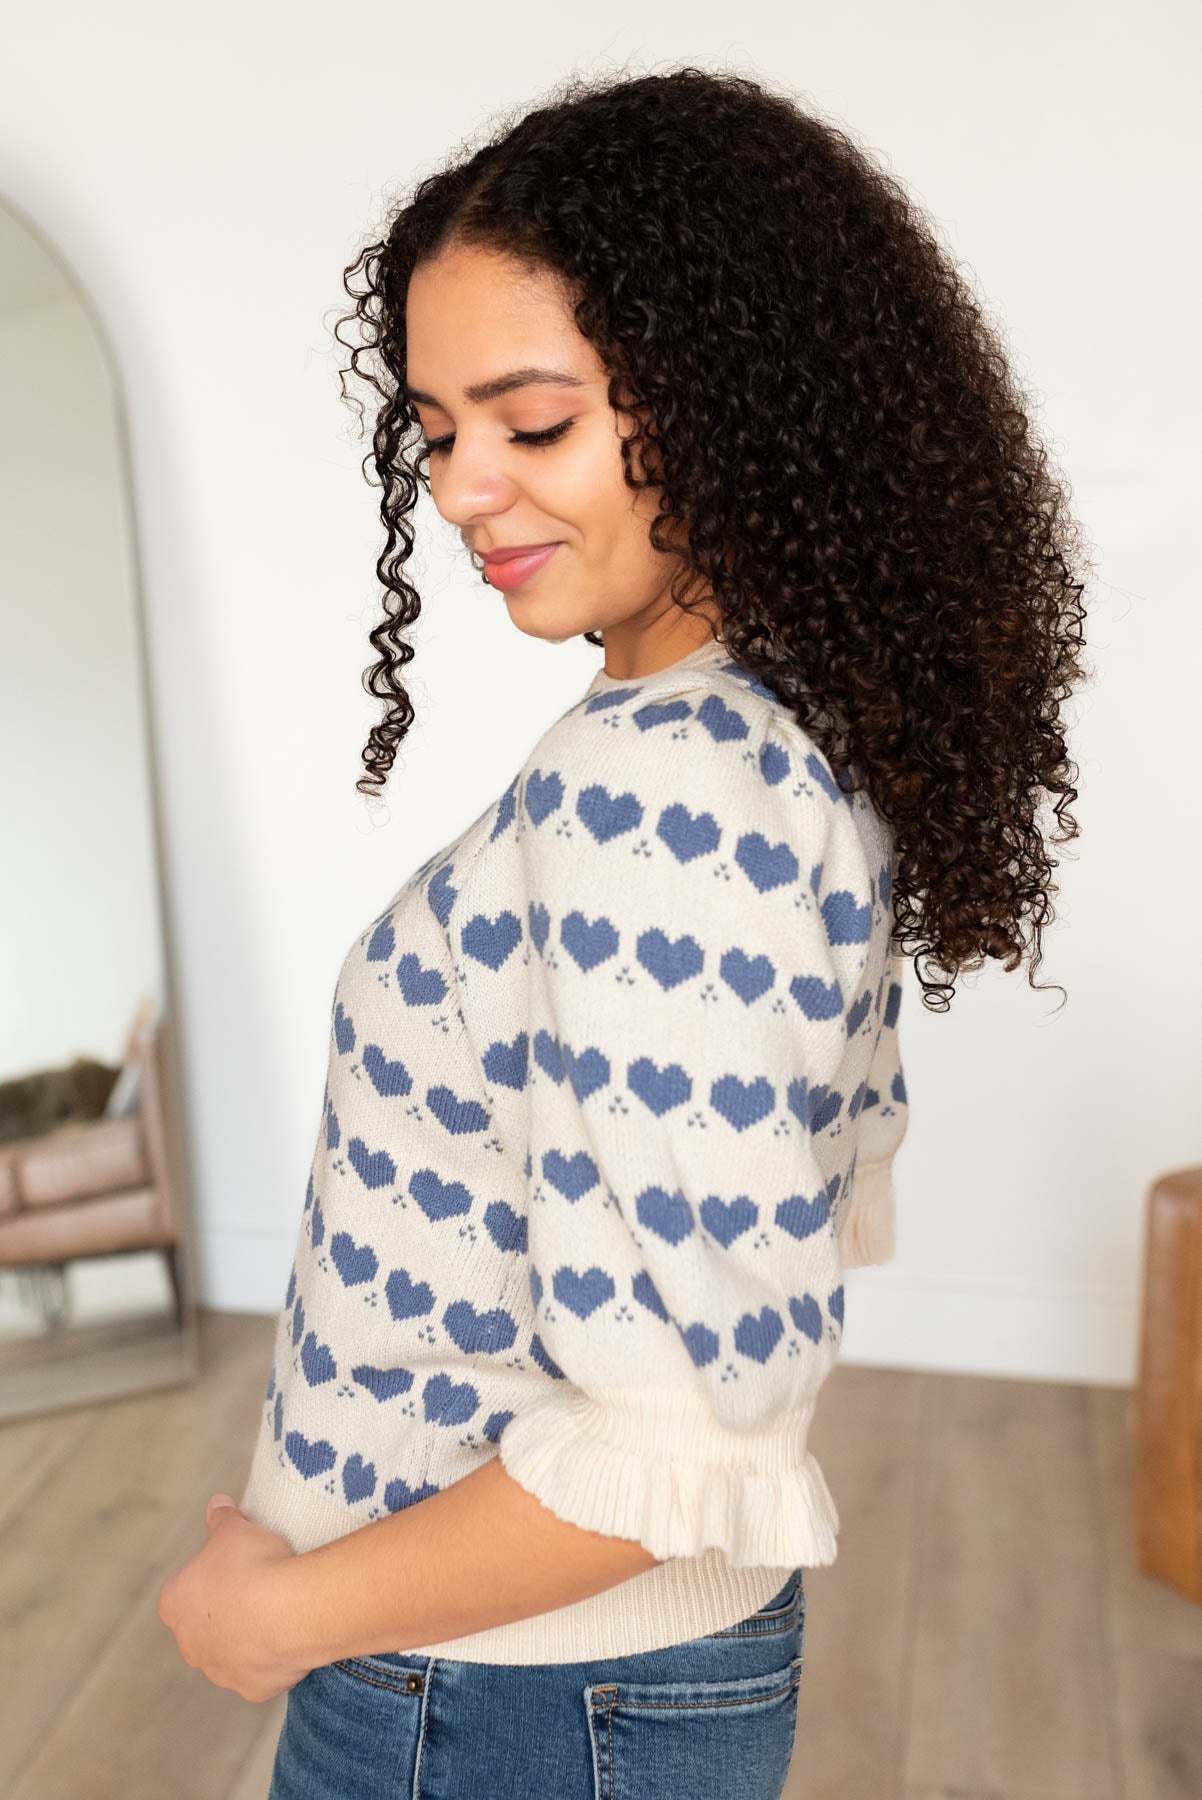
{"points": [[587, 490]]}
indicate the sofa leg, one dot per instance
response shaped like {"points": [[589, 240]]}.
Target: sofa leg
{"points": [[173, 1269]]}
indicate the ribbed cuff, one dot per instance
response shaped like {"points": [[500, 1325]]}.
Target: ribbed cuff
{"points": [[654, 1465], [869, 1231]]}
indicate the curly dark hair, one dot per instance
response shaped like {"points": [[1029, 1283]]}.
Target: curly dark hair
{"points": [[843, 457]]}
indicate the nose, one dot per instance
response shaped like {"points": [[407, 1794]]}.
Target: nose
{"points": [[467, 485]]}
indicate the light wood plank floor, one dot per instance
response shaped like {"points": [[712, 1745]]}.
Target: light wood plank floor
{"points": [[984, 1634]]}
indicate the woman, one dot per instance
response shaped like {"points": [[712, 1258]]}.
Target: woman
{"points": [[614, 1086]]}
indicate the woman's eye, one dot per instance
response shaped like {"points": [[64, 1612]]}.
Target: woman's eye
{"points": [[439, 446]]}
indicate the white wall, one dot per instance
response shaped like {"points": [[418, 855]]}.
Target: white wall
{"points": [[209, 170]]}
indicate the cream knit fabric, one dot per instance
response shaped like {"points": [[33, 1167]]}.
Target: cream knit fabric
{"points": [[612, 1099]]}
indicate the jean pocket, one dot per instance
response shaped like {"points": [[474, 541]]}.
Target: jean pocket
{"points": [[661, 1740]]}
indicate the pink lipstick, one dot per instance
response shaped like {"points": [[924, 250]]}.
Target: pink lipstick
{"points": [[506, 569]]}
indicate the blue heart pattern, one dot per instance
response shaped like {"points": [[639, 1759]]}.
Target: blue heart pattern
{"points": [[639, 1031]]}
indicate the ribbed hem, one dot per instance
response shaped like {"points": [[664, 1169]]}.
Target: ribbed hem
{"points": [[699, 1484], [653, 1464], [869, 1233], [671, 1603]]}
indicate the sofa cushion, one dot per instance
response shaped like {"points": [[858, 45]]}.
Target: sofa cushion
{"points": [[77, 1161]]}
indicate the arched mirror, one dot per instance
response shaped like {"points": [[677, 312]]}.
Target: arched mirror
{"points": [[96, 1277]]}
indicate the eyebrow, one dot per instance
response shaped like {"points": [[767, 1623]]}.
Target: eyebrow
{"points": [[503, 384]]}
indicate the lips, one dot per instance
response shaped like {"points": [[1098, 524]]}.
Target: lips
{"points": [[510, 551], [510, 567]]}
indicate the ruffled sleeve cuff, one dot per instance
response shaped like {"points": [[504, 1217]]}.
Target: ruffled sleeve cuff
{"points": [[654, 1465], [868, 1231]]}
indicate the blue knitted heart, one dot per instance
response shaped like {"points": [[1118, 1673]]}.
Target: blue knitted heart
{"points": [[700, 1342], [441, 895], [490, 941], [758, 1337], [344, 1029], [506, 1228], [494, 1425], [669, 1215], [723, 723], [488, 1332], [507, 1064], [688, 836], [546, 1363], [383, 942], [766, 865], [587, 944], [548, 1055], [846, 922], [660, 1090], [857, 1013], [587, 1071], [834, 1302], [356, 1263], [823, 776], [660, 712], [399, 1494], [670, 963], [807, 1316], [506, 810], [298, 1320], [375, 1168], [544, 794], [749, 977], [540, 923], [727, 1220], [607, 816], [390, 1079], [572, 1176], [774, 763], [458, 1116], [742, 1103], [825, 1107], [802, 1217], [419, 986], [647, 1294], [333, 1129], [582, 1294], [383, 1384], [815, 998], [310, 1458], [317, 1224], [317, 1364], [358, 1478], [437, 1198], [446, 1402], [408, 1299]]}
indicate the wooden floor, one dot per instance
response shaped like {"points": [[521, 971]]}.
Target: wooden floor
{"points": [[983, 1636]]}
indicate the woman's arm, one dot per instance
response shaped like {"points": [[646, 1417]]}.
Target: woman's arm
{"points": [[481, 1552]]}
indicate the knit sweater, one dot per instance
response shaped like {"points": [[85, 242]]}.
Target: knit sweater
{"points": [[612, 1098]]}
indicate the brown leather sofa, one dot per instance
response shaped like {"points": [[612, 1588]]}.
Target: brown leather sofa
{"points": [[100, 1188]]}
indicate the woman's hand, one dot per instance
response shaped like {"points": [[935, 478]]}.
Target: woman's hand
{"points": [[226, 1607]]}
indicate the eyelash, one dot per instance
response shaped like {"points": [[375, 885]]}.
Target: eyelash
{"points": [[534, 439]]}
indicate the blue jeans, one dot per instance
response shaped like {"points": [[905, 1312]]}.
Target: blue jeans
{"points": [[714, 1716]]}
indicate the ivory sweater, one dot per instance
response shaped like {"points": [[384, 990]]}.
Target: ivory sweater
{"points": [[612, 1097]]}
